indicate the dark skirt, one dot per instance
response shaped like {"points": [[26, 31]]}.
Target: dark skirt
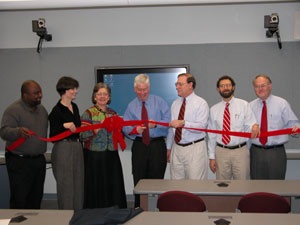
{"points": [[104, 182]]}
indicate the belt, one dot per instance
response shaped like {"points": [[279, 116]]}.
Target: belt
{"points": [[151, 139], [24, 156], [232, 147], [190, 143], [268, 146], [71, 139]]}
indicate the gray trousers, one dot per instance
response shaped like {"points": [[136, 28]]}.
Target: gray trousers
{"points": [[268, 164], [68, 170]]}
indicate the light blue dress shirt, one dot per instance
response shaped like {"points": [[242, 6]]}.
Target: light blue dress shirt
{"points": [[195, 116], [280, 116], [158, 110], [241, 119]]}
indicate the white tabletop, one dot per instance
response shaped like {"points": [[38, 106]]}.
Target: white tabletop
{"points": [[210, 187], [182, 218], [38, 217]]}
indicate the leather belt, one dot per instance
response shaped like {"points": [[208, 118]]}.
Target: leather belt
{"points": [[151, 139], [232, 147], [190, 143], [23, 156], [268, 146], [71, 139]]}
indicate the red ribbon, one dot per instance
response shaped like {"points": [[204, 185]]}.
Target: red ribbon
{"points": [[115, 124]]}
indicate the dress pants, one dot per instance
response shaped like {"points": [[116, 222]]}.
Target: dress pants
{"points": [[268, 164], [68, 170], [233, 163], [148, 161], [26, 179], [189, 162]]}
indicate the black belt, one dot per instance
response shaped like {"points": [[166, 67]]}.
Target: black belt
{"points": [[71, 139], [24, 156], [151, 139], [268, 146], [232, 147], [190, 143]]}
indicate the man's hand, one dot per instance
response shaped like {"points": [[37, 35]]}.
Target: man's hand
{"points": [[168, 155], [140, 129], [295, 129], [255, 131], [151, 125], [24, 132], [213, 165], [176, 123]]}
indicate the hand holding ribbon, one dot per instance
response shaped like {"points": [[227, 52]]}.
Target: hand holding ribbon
{"points": [[115, 124]]}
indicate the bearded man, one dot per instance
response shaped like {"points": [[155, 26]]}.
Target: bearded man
{"points": [[229, 155]]}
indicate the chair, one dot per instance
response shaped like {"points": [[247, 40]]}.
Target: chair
{"points": [[263, 202], [180, 201]]}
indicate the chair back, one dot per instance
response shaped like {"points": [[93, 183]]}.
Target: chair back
{"points": [[263, 202], [180, 201]]}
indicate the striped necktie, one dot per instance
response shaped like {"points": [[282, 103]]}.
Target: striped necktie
{"points": [[226, 124], [178, 130]]}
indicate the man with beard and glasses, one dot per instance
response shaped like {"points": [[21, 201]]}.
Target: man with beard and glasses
{"points": [[26, 165], [229, 155]]}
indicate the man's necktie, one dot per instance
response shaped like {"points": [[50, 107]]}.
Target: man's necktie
{"points": [[145, 134], [264, 123], [178, 130], [226, 124]]}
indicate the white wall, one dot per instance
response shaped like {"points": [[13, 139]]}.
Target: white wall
{"points": [[148, 26]]}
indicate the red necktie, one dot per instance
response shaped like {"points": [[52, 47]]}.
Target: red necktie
{"points": [[264, 124], [226, 124], [178, 130], [145, 134]]}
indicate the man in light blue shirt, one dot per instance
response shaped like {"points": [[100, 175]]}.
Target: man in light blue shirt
{"points": [[268, 161], [149, 161], [188, 156]]}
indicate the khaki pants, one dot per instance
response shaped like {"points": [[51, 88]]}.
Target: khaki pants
{"points": [[189, 162], [233, 163]]}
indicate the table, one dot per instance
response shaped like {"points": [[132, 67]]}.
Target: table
{"points": [[62, 217], [195, 218], [39, 217], [217, 199]]}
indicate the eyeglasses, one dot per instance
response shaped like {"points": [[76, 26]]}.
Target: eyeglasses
{"points": [[179, 84], [101, 94], [261, 86], [225, 85]]}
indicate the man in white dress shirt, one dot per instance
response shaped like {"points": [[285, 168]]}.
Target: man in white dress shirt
{"points": [[230, 160], [268, 160], [188, 157]]}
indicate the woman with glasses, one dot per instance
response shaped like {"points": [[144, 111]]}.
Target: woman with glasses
{"points": [[104, 183]]}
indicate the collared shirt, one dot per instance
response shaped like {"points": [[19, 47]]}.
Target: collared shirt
{"points": [[61, 114], [19, 114], [280, 116], [241, 119], [195, 116], [158, 110]]}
